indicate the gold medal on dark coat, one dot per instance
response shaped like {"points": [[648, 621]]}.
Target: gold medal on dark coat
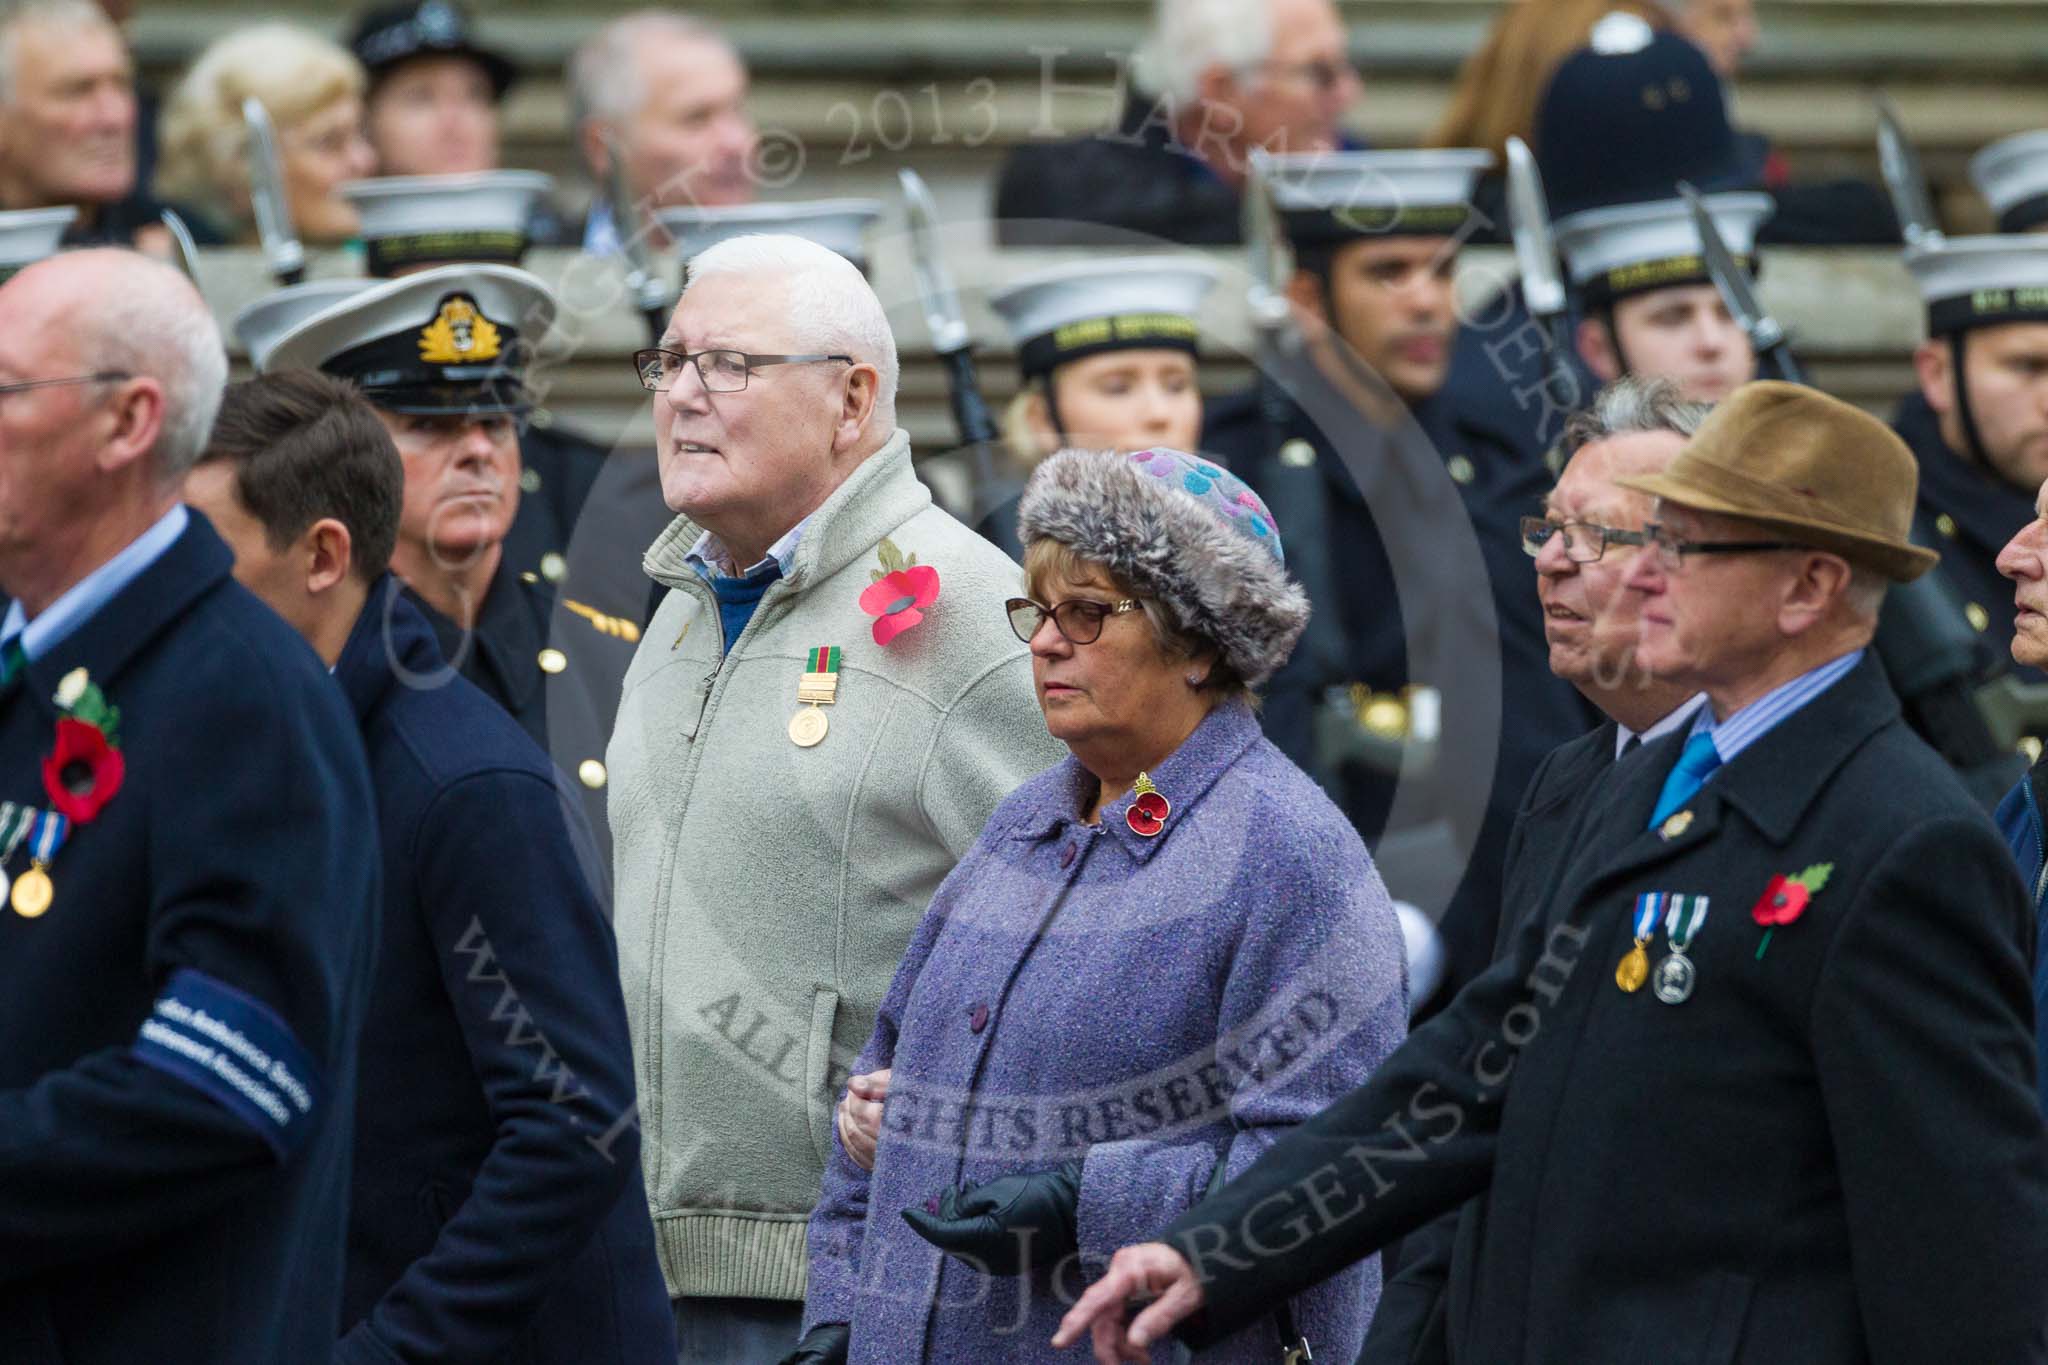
{"points": [[32, 893], [1634, 968]]}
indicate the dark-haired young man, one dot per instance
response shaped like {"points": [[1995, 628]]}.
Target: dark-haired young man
{"points": [[497, 1209]]}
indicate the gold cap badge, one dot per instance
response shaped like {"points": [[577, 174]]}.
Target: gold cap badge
{"points": [[459, 334]]}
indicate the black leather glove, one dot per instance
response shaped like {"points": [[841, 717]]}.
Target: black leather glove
{"points": [[824, 1344], [1009, 1225]]}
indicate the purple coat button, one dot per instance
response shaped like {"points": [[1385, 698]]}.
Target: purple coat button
{"points": [[977, 1018], [1067, 856]]}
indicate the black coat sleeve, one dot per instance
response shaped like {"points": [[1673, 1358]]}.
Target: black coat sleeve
{"points": [[1410, 1145], [531, 970], [261, 891], [1923, 1041], [1408, 1328]]}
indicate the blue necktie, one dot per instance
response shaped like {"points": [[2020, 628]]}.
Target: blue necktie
{"points": [[1698, 759]]}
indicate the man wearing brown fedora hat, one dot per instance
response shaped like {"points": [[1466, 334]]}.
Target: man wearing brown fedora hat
{"points": [[1756, 1083]]}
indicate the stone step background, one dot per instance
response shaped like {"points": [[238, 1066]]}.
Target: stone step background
{"points": [[950, 85]]}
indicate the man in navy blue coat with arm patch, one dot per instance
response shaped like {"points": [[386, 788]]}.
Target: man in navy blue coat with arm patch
{"points": [[186, 947], [497, 1214]]}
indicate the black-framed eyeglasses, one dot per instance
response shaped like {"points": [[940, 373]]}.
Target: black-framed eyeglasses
{"points": [[722, 371], [1079, 619], [99, 377], [1671, 553], [1584, 541]]}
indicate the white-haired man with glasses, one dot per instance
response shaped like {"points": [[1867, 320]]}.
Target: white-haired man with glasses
{"points": [[824, 711]]}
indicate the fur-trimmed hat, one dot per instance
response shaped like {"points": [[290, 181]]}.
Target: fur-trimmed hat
{"points": [[1184, 531]]}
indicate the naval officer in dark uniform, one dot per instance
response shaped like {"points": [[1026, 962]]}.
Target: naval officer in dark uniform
{"points": [[1808, 1133], [1420, 694], [187, 945], [1979, 421], [496, 1206], [415, 222], [441, 355]]}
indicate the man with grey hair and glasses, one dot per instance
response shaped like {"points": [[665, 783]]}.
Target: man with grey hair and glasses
{"points": [[823, 712], [1214, 80], [1589, 531], [190, 929], [666, 94]]}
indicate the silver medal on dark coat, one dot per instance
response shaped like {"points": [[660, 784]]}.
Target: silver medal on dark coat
{"points": [[1673, 980]]}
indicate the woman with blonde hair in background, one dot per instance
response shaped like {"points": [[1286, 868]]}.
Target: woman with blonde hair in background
{"points": [[313, 92]]}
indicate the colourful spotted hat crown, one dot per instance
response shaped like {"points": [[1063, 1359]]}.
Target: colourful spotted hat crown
{"points": [[1222, 491], [1184, 531]]}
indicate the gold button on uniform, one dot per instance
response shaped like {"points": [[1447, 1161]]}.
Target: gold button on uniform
{"points": [[553, 566], [529, 480], [553, 661], [1980, 619], [591, 773], [1385, 716], [1297, 454], [1946, 524], [1460, 469]]}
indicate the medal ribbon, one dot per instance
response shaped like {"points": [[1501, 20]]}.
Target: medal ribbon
{"points": [[14, 826], [1649, 906], [51, 829], [820, 682], [1688, 913]]}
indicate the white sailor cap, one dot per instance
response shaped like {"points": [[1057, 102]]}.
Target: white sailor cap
{"points": [[258, 326], [839, 225], [1971, 282], [2012, 175], [1130, 303], [28, 235], [410, 221], [1627, 249], [1326, 198], [454, 339]]}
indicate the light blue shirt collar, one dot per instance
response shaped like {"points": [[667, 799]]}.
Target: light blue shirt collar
{"points": [[600, 234], [1760, 717], [710, 559], [1678, 716], [85, 597]]}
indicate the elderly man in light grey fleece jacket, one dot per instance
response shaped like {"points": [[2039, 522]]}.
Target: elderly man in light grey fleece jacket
{"points": [[825, 710]]}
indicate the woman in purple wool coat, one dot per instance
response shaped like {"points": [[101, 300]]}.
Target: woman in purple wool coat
{"points": [[1161, 954]]}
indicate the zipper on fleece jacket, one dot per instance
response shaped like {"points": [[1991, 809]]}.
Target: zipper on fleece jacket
{"points": [[713, 684]]}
